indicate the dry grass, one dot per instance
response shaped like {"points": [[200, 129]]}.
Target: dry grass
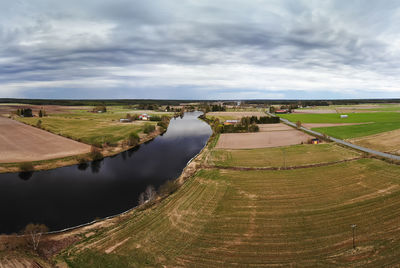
{"points": [[258, 218], [287, 156]]}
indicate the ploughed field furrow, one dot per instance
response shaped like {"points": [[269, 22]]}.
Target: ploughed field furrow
{"points": [[235, 218]]}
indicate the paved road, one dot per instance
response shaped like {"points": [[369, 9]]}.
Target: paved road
{"points": [[351, 145]]}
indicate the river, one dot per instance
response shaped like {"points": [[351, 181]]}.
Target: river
{"points": [[73, 195]]}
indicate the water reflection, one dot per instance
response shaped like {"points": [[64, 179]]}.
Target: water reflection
{"points": [[25, 175], [74, 195]]}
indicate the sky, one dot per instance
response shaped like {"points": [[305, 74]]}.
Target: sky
{"points": [[199, 49]]}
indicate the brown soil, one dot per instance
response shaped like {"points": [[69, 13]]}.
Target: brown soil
{"points": [[7, 109], [236, 115], [21, 143], [273, 135]]}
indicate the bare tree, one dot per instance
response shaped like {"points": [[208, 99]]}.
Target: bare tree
{"points": [[34, 233], [150, 193], [141, 199]]}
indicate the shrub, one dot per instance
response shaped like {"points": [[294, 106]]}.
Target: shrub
{"points": [[39, 123], [148, 128], [26, 166], [133, 139], [95, 153], [168, 188]]}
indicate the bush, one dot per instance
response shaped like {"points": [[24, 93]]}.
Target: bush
{"points": [[26, 166], [148, 128], [133, 139], [39, 124], [95, 153], [168, 188]]}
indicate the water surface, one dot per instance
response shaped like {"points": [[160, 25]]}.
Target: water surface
{"points": [[73, 195]]}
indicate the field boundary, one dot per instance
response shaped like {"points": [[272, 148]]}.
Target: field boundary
{"points": [[281, 168]]}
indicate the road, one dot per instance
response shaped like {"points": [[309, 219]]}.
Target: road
{"points": [[345, 143]]}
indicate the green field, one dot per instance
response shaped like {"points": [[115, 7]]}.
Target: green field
{"points": [[93, 128], [281, 156], [222, 218], [377, 123]]}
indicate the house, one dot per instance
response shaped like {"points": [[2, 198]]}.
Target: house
{"points": [[231, 122], [315, 141], [144, 117], [282, 111]]}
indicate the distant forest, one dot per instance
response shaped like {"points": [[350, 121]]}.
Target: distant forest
{"points": [[111, 102]]}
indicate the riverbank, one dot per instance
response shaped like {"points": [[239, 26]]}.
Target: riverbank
{"points": [[107, 151]]}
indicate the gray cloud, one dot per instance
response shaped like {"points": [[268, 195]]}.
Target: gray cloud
{"points": [[163, 48]]}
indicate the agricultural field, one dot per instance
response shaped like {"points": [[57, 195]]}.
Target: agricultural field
{"points": [[22, 143], [93, 128], [368, 123], [225, 218], [270, 135], [286, 156], [385, 142], [222, 116]]}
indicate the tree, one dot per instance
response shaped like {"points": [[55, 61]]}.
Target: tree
{"points": [[141, 199], [150, 193], [40, 113], [34, 233]]}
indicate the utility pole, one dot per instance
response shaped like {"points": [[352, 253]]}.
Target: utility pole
{"points": [[353, 227]]}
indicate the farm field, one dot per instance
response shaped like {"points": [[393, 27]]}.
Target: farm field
{"points": [[225, 218], [384, 142], [374, 123], [21, 143], [222, 116], [286, 156], [270, 135], [93, 128]]}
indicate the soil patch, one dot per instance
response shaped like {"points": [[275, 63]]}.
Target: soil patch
{"points": [[236, 115], [261, 139], [20, 143]]}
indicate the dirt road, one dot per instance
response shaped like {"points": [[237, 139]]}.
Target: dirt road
{"points": [[20, 143]]}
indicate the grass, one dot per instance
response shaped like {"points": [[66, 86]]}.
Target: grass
{"points": [[92, 128], [377, 123], [281, 156], [255, 218]]}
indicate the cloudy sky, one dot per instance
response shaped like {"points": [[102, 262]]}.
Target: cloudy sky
{"points": [[199, 49]]}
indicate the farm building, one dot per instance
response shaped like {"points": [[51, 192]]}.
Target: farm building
{"points": [[344, 116], [231, 122], [124, 120], [282, 111], [315, 141], [144, 117]]}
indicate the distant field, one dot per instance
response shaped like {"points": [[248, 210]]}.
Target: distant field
{"points": [[92, 128], [258, 218], [222, 116], [283, 156], [381, 122]]}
